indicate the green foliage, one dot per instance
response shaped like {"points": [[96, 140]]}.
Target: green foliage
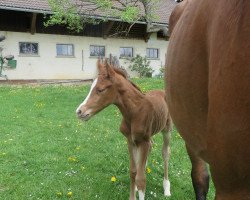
{"points": [[151, 10], [103, 4], [130, 14], [162, 71], [75, 16], [65, 13], [141, 65], [5, 61]]}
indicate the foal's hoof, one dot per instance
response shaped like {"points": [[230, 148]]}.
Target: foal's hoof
{"points": [[167, 193], [166, 186]]}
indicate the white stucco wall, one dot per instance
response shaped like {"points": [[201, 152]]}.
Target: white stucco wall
{"points": [[48, 66]]}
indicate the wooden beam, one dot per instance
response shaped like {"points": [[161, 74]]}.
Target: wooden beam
{"points": [[33, 23], [147, 36], [107, 29]]}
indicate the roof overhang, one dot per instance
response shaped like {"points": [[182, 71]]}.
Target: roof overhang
{"points": [[40, 11]]}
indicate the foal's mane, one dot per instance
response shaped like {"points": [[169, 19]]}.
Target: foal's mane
{"points": [[124, 73]]}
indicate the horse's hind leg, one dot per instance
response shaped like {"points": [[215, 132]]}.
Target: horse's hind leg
{"points": [[200, 176], [166, 154]]}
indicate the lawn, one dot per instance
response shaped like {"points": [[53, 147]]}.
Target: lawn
{"points": [[47, 153]]}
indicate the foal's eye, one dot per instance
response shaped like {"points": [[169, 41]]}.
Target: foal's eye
{"points": [[100, 90]]}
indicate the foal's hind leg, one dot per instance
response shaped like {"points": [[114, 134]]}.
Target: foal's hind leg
{"points": [[143, 149], [200, 177], [166, 154], [133, 157]]}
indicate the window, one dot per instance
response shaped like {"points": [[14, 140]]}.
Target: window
{"points": [[97, 50], [28, 48], [152, 53], [64, 50], [126, 52]]}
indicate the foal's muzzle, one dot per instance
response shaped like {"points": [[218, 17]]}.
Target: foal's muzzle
{"points": [[83, 115]]}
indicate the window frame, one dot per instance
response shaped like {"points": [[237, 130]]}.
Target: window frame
{"points": [[125, 55], [64, 55], [94, 56], [153, 58], [28, 54]]}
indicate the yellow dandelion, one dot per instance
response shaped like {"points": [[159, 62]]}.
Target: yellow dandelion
{"points": [[78, 148], [113, 179], [148, 170], [72, 159], [69, 194], [59, 194], [82, 168]]}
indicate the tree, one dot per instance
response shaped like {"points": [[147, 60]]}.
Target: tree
{"points": [[74, 14], [4, 60], [141, 65]]}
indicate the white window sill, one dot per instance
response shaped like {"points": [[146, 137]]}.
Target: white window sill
{"points": [[153, 58], [28, 55], [61, 56], [126, 57], [96, 56]]}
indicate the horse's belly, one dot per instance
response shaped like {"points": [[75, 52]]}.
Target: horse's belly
{"points": [[188, 105], [187, 84]]}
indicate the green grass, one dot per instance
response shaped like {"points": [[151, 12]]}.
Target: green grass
{"points": [[45, 149]]}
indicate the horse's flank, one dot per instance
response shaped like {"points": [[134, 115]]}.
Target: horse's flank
{"points": [[208, 91]]}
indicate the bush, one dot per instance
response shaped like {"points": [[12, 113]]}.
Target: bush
{"points": [[141, 65], [162, 71]]}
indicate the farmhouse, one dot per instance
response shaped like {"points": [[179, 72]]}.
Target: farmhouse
{"points": [[46, 53]]}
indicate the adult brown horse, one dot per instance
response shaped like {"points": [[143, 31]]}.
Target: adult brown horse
{"points": [[208, 92], [144, 115]]}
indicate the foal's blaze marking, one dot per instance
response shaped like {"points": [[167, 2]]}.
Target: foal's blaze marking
{"points": [[85, 116], [143, 116]]}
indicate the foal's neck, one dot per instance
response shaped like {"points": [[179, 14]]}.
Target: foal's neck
{"points": [[128, 99]]}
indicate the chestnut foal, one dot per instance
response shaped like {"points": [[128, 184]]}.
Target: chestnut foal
{"points": [[144, 115]]}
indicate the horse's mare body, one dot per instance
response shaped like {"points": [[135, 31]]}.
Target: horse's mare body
{"points": [[208, 91], [143, 116]]}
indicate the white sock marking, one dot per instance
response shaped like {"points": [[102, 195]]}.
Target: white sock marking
{"points": [[166, 186], [141, 195], [87, 98], [135, 155]]}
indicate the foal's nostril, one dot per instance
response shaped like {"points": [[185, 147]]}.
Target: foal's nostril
{"points": [[78, 112]]}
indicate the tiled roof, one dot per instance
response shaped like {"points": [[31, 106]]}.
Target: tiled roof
{"points": [[32, 5], [165, 7]]}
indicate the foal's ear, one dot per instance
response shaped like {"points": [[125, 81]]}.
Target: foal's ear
{"points": [[100, 66], [109, 69]]}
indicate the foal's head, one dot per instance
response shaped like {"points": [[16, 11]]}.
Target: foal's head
{"points": [[101, 94]]}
